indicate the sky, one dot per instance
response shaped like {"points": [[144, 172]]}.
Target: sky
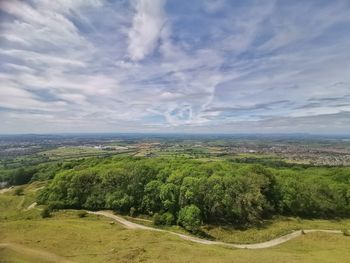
{"points": [[199, 66]]}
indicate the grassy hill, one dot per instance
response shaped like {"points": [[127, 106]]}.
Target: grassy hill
{"points": [[95, 239]]}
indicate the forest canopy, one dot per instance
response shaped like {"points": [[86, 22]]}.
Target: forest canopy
{"points": [[186, 190]]}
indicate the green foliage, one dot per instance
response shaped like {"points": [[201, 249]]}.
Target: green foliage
{"points": [[168, 218], [346, 232], [157, 219], [151, 198], [190, 218], [132, 211], [163, 219], [223, 191], [55, 205], [21, 176], [169, 196], [45, 213], [82, 213], [19, 191]]}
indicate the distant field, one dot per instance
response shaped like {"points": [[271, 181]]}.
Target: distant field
{"points": [[62, 151], [71, 151], [94, 239]]}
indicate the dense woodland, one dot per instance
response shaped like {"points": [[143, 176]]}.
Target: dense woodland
{"points": [[190, 192]]}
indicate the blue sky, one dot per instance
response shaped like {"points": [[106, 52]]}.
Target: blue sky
{"points": [[220, 66]]}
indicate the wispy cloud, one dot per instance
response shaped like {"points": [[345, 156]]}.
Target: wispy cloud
{"points": [[146, 28], [156, 65]]}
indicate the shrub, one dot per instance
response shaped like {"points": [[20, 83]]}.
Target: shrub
{"points": [[346, 232], [55, 205], [167, 219], [190, 218], [46, 212], [19, 191], [157, 219], [132, 211], [82, 213], [163, 219]]}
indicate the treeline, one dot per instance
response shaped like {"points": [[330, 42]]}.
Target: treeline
{"points": [[40, 172], [189, 192], [17, 176]]}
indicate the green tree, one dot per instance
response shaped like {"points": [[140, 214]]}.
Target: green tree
{"points": [[213, 199], [151, 201], [190, 218], [169, 197], [190, 192]]}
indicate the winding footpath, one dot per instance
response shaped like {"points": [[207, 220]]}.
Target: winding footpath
{"points": [[267, 244]]}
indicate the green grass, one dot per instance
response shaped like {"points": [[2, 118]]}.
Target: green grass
{"points": [[13, 207], [271, 229], [268, 230], [10, 256], [94, 239], [71, 151]]}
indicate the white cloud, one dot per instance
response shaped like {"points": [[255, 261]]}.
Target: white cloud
{"points": [[146, 28], [235, 66]]}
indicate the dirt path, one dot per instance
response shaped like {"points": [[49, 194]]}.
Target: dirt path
{"points": [[42, 255], [2, 191], [267, 244], [33, 205]]}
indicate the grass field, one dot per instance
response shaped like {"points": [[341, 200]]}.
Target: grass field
{"points": [[94, 239], [270, 229]]}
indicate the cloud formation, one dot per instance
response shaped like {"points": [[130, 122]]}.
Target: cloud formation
{"points": [[174, 66], [146, 28]]}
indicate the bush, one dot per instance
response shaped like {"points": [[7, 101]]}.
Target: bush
{"points": [[19, 191], [46, 212], [55, 205], [346, 232], [167, 219], [157, 219], [164, 219], [190, 218], [82, 213], [21, 176], [132, 211]]}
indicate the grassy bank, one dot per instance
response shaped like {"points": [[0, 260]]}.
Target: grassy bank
{"points": [[95, 239]]}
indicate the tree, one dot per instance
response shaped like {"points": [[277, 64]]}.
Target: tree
{"points": [[244, 202], [151, 202], [190, 218], [213, 198], [21, 176], [190, 191], [169, 197], [95, 201]]}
